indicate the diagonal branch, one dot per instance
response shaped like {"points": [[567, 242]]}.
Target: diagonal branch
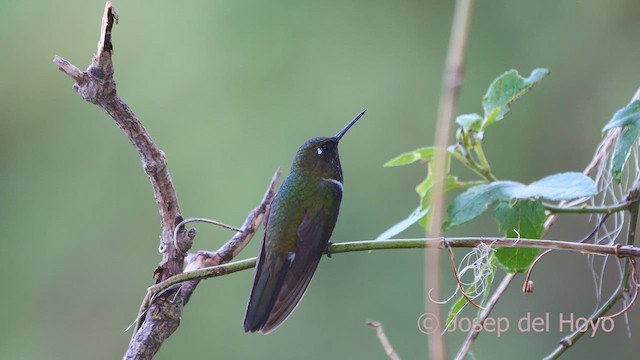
{"points": [[97, 86], [384, 341]]}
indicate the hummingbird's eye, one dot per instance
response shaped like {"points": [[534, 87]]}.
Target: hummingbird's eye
{"points": [[322, 149]]}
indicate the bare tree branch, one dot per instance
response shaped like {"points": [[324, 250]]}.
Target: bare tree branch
{"points": [[96, 85], [161, 316]]}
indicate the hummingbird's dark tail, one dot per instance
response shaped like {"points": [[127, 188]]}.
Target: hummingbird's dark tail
{"points": [[263, 296], [277, 290]]}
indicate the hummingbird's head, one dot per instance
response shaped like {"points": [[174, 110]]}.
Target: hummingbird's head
{"points": [[319, 156]]}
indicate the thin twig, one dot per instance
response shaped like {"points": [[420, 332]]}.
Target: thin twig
{"points": [[527, 285], [440, 243], [68, 68], [450, 89], [203, 220], [386, 344]]}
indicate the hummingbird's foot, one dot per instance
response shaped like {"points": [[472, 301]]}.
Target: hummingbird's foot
{"points": [[327, 251]]}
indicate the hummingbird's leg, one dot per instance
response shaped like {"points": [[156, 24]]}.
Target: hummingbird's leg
{"points": [[326, 250]]}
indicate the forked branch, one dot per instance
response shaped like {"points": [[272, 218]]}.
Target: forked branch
{"points": [[159, 318]]}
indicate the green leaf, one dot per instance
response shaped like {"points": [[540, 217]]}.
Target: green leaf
{"points": [[623, 149], [469, 122], [450, 183], [424, 154], [424, 190], [514, 260], [491, 118], [524, 218], [562, 186], [396, 229], [476, 200], [457, 306], [629, 118], [628, 115], [424, 186], [506, 89]]}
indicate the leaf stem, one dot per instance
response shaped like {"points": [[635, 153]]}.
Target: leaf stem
{"points": [[484, 164]]}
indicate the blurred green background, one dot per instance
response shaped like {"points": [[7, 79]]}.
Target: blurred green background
{"points": [[229, 90]]}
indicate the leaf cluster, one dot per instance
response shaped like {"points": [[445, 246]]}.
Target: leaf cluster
{"points": [[519, 210]]}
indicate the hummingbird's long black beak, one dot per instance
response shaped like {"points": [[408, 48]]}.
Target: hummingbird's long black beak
{"points": [[349, 125]]}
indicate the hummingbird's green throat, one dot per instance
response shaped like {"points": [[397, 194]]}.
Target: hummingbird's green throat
{"points": [[296, 232]]}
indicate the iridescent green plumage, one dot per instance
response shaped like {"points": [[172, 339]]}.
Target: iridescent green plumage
{"points": [[297, 230]]}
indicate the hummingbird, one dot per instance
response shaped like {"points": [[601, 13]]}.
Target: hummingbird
{"points": [[296, 232]]}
